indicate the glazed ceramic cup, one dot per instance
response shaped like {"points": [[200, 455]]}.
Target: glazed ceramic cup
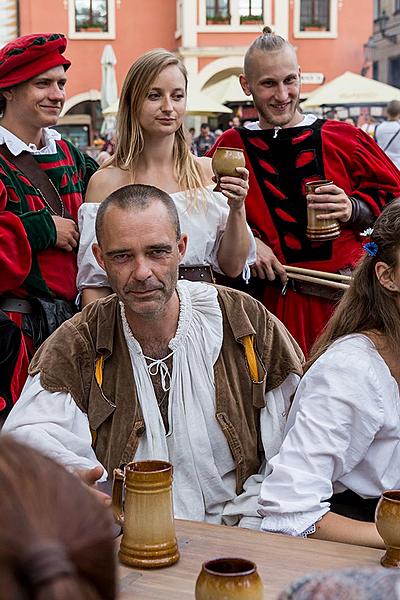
{"points": [[320, 229], [229, 579], [225, 161], [147, 520], [387, 520]]}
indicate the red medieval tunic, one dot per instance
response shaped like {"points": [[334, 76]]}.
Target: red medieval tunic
{"points": [[280, 162], [30, 264]]}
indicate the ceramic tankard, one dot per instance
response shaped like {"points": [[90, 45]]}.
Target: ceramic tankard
{"points": [[229, 579], [147, 519], [320, 230], [387, 520], [224, 163]]}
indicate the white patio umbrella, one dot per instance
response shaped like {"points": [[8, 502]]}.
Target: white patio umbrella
{"points": [[350, 88], [227, 90], [198, 103], [109, 91]]}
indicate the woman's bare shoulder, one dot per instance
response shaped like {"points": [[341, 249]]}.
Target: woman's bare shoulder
{"points": [[104, 182], [205, 165]]}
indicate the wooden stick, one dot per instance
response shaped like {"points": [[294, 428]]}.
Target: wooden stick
{"points": [[322, 274], [326, 282]]}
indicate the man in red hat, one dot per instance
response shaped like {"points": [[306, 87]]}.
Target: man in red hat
{"points": [[42, 182]]}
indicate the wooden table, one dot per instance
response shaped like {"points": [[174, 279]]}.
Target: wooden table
{"points": [[280, 560]]}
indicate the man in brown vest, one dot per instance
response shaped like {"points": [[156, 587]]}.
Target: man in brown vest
{"points": [[163, 369]]}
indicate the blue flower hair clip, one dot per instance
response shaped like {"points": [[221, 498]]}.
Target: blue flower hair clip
{"points": [[371, 248]]}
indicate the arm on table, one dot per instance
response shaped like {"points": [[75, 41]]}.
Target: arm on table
{"points": [[338, 396], [337, 528]]}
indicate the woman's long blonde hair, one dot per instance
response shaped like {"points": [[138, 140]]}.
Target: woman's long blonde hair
{"points": [[130, 140]]}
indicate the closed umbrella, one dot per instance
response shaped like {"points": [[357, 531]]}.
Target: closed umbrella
{"points": [[109, 91]]}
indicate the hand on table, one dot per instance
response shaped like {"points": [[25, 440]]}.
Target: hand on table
{"points": [[267, 265], [332, 199], [235, 188], [90, 477], [67, 233]]}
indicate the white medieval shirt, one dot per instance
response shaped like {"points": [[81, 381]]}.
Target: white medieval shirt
{"points": [[343, 432], [204, 469]]}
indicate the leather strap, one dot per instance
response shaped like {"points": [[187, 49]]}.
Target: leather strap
{"points": [[26, 163], [197, 273]]}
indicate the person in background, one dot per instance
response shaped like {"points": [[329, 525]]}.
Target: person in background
{"points": [[367, 123], [236, 121], [43, 180], [387, 133], [205, 140], [152, 149], [284, 150], [342, 444], [56, 540]]}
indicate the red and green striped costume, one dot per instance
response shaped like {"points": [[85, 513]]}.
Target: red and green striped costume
{"points": [[30, 264]]}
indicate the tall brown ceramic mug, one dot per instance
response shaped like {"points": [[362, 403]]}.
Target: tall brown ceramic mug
{"points": [[230, 579], [387, 520], [224, 163], [147, 519], [320, 230]]}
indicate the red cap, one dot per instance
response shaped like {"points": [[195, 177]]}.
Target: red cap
{"points": [[30, 55]]}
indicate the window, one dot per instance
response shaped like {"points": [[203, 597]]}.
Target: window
{"points": [[251, 12], [91, 19], [397, 6], [377, 9], [315, 15], [218, 12], [375, 70], [394, 71], [91, 15]]}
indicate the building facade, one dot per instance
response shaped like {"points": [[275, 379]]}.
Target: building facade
{"points": [[383, 47], [210, 35]]}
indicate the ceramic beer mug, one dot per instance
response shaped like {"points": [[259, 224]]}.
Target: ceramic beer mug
{"points": [[229, 579], [387, 520], [225, 161], [147, 519], [320, 230]]}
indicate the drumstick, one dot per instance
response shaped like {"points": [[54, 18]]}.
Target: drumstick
{"points": [[321, 274], [318, 280]]}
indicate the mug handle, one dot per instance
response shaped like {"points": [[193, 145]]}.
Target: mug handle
{"points": [[118, 484]]}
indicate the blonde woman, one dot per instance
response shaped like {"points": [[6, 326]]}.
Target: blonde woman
{"points": [[152, 149]]}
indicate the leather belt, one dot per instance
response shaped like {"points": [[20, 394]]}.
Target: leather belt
{"points": [[18, 305], [197, 273]]}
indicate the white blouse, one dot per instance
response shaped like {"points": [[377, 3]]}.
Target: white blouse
{"points": [[204, 223], [343, 432], [204, 469]]}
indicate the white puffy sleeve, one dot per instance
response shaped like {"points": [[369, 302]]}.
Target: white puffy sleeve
{"points": [[90, 274], [222, 207], [52, 423], [336, 414]]}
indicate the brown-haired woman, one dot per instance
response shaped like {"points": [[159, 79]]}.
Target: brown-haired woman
{"points": [[342, 444], [152, 149], [56, 540]]}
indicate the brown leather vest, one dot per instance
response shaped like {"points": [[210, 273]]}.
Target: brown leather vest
{"points": [[96, 370]]}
